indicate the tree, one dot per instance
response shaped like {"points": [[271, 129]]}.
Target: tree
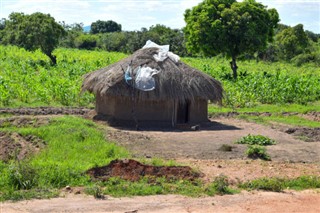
{"points": [[292, 42], [105, 27], [73, 31], [229, 27], [35, 31]]}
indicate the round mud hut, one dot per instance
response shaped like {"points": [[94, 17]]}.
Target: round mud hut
{"points": [[141, 89]]}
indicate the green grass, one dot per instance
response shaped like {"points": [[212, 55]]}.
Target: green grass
{"points": [[271, 108], [73, 146], [292, 120], [279, 184]]}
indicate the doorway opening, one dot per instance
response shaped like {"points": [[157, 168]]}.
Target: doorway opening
{"points": [[183, 112]]}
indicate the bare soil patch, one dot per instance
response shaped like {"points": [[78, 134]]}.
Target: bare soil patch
{"points": [[18, 147], [305, 134], [207, 142]]}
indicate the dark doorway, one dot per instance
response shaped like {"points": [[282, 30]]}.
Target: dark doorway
{"points": [[183, 112]]}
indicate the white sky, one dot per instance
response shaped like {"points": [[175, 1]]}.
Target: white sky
{"points": [[135, 14]]}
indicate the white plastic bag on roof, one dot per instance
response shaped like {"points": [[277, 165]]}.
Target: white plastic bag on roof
{"points": [[144, 78], [163, 52]]}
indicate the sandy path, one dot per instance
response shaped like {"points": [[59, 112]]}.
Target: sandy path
{"points": [[262, 202]]}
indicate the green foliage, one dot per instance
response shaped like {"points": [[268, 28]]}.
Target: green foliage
{"points": [[32, 32], [96, 191], [219, 186], [229, 27], [256, 151], [292, 41], [27, 79], [105, 27], [149, 186], [86, 41], [279, 184], [256, 140], [263, 83], [22, 176], [266, 184], [303, 182]]}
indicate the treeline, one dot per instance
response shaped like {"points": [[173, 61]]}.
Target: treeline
{"points": [[102, 36], [293, 44]]}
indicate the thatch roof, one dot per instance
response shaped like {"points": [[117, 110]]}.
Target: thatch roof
{"points": [[174, 81]]}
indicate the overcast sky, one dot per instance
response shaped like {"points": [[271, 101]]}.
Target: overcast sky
{"points": [[135, 14]]}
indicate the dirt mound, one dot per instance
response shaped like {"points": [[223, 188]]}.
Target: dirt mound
{"points": [[306, 134], [133, 170], [16, 146]]}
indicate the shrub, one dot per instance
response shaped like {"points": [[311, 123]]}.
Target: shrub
{"points": [[256, 140], [256, 151], [220, 186]]}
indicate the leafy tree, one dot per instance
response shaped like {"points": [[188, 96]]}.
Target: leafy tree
{"points": [[229, 27], [35, 31], [86, 41], [105, 27], [313, 36], [292, 42], [2, 23], [74, 31]]}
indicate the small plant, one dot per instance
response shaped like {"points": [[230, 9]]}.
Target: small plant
{"points": [[22, 176], [225, 148], [96, 191], [256, 151], [219, 186], [256, 140]]}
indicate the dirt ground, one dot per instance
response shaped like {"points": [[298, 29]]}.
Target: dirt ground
{"points": [[291, 157]]}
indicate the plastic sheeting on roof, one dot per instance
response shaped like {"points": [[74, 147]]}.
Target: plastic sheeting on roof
{"points": [[144, 78], [163, 53], [141, 78]]}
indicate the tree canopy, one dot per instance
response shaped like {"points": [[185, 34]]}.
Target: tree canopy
{"points": [[35, 31], [105, 27], [292, 41], [229, 27]]}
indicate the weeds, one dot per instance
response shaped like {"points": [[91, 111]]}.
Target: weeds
{"points": [[256, 151], [279, 184], [256, 140]]}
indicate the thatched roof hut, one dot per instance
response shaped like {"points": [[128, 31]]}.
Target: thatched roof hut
{"points": [[180, 95]]}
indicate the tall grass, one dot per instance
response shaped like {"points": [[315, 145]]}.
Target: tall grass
{"points": [[263, 83], [28, 79]]}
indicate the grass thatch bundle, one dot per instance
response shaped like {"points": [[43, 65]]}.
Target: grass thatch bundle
{"points": [[176, 81]]}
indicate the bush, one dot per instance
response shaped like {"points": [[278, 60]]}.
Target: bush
{"points": [[219, 186], [256, 140], [256, 151]]}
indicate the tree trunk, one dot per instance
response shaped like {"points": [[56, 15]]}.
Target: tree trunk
{"points": [[52, 58], [234, 67]]}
